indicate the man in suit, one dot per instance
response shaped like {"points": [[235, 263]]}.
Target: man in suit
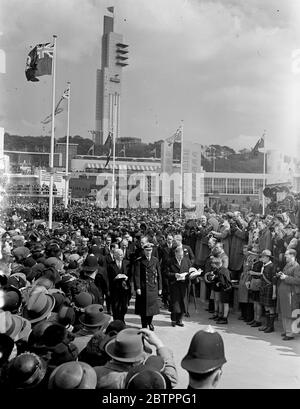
{"points": [[187, 251], [105, 261], [119, 285], [165, 253], [148, 286], [178, 272]]}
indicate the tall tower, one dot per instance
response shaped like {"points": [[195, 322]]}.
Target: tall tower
{"points": [[109, 80]]}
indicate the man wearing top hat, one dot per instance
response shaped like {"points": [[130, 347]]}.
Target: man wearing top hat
{"points": [[148, 286]]}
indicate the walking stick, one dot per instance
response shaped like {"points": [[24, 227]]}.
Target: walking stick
{"points": [[187, 314]]}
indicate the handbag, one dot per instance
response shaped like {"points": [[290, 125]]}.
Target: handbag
{"points": [[255, 284]]}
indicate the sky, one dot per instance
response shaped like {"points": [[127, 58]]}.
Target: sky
{"points": [[227, 68]]}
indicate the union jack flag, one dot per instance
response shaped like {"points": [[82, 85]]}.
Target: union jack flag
{"points": [[45, 49], [39, 61]]}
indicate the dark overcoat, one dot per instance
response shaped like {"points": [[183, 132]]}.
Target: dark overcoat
{"points": [[147, 278], [178, 289], [268, 280], [236, 256]]}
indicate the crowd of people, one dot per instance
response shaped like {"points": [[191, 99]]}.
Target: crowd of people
{"points": [[32, 189], [65, 293]]}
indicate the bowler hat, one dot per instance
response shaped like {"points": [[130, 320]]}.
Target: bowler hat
{"points": [[39, 306], [94, 316], [26, 371], [206, 352], [14, 326], [127, 346], [73, 375]]}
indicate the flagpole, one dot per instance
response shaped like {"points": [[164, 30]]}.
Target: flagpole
{"points": [[67, 148], [181, 170], [113, 193], [264, 171], [52, 135]]}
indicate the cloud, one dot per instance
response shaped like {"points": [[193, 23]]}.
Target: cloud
{"points": [[222, 66]]}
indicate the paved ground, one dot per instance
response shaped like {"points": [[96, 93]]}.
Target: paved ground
{"points": [[254, 360]]}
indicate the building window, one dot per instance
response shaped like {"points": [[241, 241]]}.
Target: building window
{"points": [[247, 186], [220, 185], [208, 185], [258, 184], [233, 186]]}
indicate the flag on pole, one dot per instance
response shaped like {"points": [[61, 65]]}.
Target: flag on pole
{"points": [[58, 109], [108, 146], [259, 145], [91, 150], [174, 138], [111, 9], [39, 61]]}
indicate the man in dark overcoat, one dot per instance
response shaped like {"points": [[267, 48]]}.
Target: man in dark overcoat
{"points": [[178, 273], [148, 286]]}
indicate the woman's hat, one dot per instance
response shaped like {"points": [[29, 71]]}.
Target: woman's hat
{"points": [[10, 298], [73, 375], [145, 379], [127, 346], [14, 326], [26, 371], [38, 307], [90, 264], [83, 299], [94, 316], [66, 315], [17, 280]]}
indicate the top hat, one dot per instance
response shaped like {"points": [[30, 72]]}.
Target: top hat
{"points": [[127, 346], [206, 352]]}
